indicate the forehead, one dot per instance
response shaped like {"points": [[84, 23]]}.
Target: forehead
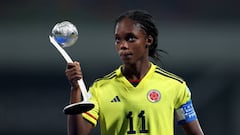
{"points": [[127, 26]]}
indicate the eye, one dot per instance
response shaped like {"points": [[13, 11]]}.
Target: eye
{"points": [[130, 38], [117, 40]]}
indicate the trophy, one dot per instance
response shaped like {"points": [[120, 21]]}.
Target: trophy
{"points": [[65, 34]]}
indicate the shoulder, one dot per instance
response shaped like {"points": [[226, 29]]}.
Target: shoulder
{"points": [[168, 75], [105, 79]]}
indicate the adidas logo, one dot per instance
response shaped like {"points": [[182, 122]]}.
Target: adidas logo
{"points": [[115, 99]]}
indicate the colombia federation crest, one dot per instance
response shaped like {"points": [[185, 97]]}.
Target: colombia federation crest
{"points": [[154, 96]]}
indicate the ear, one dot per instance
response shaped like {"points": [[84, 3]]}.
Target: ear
{"points": [[149, 40]]}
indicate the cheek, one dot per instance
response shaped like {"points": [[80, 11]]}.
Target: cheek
{"points": [[137, 51], [117, 47], [140, 48]]}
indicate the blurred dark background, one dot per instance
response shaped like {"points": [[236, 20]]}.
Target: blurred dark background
{"points": [[202, 38]]}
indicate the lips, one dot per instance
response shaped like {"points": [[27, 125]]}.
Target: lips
{"points": [[125, 55]]}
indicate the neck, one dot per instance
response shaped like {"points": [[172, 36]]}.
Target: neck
{"points": [[136, 71]]}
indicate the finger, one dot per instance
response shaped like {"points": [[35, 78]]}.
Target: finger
{"points": [[73, 73], [70, 65], [74, 70], [75, 76]]}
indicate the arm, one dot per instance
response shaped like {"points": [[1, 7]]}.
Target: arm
{"points": [[192, 128], [186, 114], [76, 124], [187, 118]]}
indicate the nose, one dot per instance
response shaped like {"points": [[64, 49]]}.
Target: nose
{"points": [[123, 45]]}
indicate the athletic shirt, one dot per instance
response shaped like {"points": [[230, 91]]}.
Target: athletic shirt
{"points": [[145, 109]]}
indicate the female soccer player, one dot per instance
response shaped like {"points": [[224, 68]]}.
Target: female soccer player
{"points": [[138, 98]]}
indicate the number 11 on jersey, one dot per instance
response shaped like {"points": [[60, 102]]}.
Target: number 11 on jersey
{"points": [[143, 126]]}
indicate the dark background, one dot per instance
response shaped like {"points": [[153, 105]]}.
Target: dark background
{"points": [[201, 37]]}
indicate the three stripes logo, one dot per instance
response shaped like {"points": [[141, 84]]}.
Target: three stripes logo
{"points": [[116, 99]]}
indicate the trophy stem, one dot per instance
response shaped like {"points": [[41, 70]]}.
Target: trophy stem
{"points": [[83, 90], [61, 50], [79, 107]]}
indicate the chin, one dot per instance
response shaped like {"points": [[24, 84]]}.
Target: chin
{"points": [[128, 62]]}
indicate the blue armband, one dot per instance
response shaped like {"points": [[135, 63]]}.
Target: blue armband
{"points": [[186, 113]]}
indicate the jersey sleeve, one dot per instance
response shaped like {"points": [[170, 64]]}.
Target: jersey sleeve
{"points": [[184, 108], [183, 95], [92, 115]]}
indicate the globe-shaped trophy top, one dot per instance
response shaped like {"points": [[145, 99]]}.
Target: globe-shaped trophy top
{"points": [[65, 33]]}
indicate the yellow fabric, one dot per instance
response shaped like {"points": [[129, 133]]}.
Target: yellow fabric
{"points": [[122, 108]]}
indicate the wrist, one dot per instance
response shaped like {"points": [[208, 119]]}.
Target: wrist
{"points": [[75, 87], [75, 95]]}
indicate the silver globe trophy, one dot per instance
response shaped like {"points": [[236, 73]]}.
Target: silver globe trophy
{"points": [[65, 34]]}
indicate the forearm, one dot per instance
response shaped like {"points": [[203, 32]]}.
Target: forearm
{"points": [[193, 128], [76, 124], [75, 95]]}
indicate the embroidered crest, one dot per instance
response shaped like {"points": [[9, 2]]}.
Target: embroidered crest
{"points": [[154, 96]]}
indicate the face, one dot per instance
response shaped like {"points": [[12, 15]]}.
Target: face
{"points": [[130, 42]]}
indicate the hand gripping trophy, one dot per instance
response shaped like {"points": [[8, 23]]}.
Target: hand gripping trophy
{"points": [[65, 34]]}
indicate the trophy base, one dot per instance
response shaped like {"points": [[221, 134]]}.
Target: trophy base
{"points": [[78, 108]]}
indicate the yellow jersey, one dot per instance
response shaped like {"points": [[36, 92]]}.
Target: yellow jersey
{"points": [[147, 109]]}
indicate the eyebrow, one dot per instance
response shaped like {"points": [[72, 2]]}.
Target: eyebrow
{"points": [[127, 34]]}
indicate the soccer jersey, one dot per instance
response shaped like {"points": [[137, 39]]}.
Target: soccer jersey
{"points": [[145, 109]]}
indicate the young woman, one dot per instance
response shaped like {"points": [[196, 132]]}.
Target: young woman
{"points": [[139, 97]]}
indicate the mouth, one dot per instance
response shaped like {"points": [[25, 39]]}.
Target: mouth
{"points": [[125, 55]]}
